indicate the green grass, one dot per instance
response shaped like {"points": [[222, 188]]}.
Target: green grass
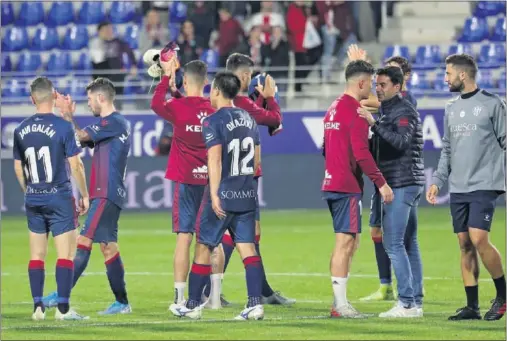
{"points": [[296, 246]]}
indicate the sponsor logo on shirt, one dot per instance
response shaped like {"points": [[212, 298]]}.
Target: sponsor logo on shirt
{"points": [[202, 115], [121, 192], [327, 175], [31, 190], [463, 129], [251, 194], [200, 173], [95, 128]]}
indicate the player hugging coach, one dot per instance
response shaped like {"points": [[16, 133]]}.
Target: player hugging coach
{"points": [[399, 146]]}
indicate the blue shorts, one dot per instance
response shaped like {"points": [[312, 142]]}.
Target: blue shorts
{"points": [[57, 215], [345, 210], [257, 208], [376, 210], [474, 209], [101, 225], [210, 230], [186, 202]]}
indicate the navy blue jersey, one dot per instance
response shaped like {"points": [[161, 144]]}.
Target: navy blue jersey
{"points": [[43, 143], [410, 97], [237, 132], [111, 137]]}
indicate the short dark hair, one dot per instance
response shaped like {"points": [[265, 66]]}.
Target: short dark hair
{"points": [[103, 24], [393, 72], [237, 61], [403, 62], [228, 84], [103, 85], [41, 89], [357, 67], [465, 62], [197, 69]]}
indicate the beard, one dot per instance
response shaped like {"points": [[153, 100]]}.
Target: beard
{"points": [[456, 86]]}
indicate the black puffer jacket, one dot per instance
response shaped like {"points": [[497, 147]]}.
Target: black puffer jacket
{"points": [[397, 143]]}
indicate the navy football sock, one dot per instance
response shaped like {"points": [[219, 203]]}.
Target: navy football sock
{"points": [[253, 270], [207, 288], [383, 262], [266, 289], [81, 261], [199, 275], [228, 245], [64, 280], [36, 274], [116, 277]]}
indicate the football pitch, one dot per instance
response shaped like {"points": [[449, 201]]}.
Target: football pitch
{"points": [[295, 246]]}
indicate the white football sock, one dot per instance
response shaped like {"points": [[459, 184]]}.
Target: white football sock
{"points": [[340, 291], [216, 288], [179, 288]]}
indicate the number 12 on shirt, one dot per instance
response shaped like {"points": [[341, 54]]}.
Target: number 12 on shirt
{"points": [[241, 166], [31, 171]]}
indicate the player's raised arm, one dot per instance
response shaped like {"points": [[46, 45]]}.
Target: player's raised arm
{"points": [[67, 109], [161, 107], [257, 151]]}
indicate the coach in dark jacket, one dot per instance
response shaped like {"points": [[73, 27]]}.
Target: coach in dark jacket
{"points": [[398, 147]]}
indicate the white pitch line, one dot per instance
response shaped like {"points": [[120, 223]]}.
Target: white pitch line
{"points": [[279, 274]]}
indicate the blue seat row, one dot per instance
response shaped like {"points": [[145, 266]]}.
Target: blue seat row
{"points": [[476, 29], [489, 8], [90, 12], [46, 38], [428, 57]]}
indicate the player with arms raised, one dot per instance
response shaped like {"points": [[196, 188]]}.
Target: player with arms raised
{"points": [[347, 156], [187, 160], [44, 146], [110, 138], [232, 140]]}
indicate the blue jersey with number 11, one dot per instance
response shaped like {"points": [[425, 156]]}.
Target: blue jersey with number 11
{"points": [[43, 143], [237, 132]]}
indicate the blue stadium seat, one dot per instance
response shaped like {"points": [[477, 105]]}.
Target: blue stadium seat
{"points": [[132, 87], [122, 12], [76, 88], [396, 50], [131, 36], [30, 14], [61, 13], [15, 39], [475, 30], [492, 56], [75, 38], [498, 33], [174, 31], [178, 12], [440, 86], [6, 63], [501, 81], [485, 80], [84, 64], [28, 64], [91, 13], [210, 57], [460, 48], [45, 39], [59, 64], [489, 8], [14, 88], [7, 13], [418, 84], [427, 57]]}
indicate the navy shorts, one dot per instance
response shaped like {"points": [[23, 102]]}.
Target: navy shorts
{"points": [[101, 225], [56, 215], [345, 210], [257, 208], [474, 209], [210, 230], [186, 202], [376, 210]]}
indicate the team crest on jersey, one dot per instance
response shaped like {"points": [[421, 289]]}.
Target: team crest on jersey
{"points": [[477, 110], [202, 115], [103, 123], [462, 113]]}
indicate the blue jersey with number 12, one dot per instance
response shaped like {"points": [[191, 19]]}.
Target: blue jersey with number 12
{"points": [[43, 143], [237, 132]]}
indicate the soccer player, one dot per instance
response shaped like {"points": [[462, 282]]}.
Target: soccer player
{"points": [[346, 157], [110, 139], [372, 104], [242, 66], [187, 159], [44, 145], [472, 159], [232, 141]]}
